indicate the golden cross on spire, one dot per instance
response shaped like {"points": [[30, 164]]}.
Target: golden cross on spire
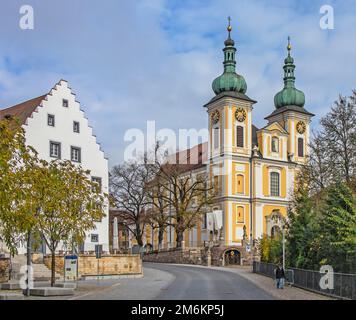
{"points": [[229, 27], [289, 47]]}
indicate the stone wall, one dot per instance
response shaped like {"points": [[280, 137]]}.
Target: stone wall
{"points": [[197, 256], [183, 256], [4, 269], [120, 264]]}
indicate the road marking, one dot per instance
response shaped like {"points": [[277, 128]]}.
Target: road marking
{"points": [[82, 296], [95, 292]]}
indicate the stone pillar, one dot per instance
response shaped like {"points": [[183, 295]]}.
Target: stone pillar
{"points": [[209, 258]]}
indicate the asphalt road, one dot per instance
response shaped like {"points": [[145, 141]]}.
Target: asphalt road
{"points": [[193, 283], [170, 282]]}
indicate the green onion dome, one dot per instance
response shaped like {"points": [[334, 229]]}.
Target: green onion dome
{"points": [[229, 80], [289, 96]]}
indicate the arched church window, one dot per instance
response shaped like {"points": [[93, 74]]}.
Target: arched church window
{"points": [[240, 215], [274, 184], [216, 137], [275, 144], [300, 147], [239, 136], [240, 183]]}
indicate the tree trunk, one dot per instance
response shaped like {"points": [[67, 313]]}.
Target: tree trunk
{"points": [[29, 262], [180, 237], [160, 237], [138, 235], [53, 267]]}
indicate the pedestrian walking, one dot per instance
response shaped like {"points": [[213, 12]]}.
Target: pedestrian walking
{"points": [[277, 273], [281, 281], [280, 276]]}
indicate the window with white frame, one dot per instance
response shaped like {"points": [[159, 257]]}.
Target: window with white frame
{"points": [[75, 153], [55, 150], [94, 238], [50, 120], [76, 126], [65, 103], [274, 184], [98, 181]]}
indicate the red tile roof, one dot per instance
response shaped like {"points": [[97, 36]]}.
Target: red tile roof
{"points": [[23, 110], [190, 159]]}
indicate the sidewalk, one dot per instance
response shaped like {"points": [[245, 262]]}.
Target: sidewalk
{"points": [[267, 284]]}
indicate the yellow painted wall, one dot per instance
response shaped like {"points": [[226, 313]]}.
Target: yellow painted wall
{"points": [[283, 183], [246, 132], [236, 174], [236, 224], [267, 210], [265, 180]]}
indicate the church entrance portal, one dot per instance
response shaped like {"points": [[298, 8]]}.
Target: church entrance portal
{"points": [[232, 257]]}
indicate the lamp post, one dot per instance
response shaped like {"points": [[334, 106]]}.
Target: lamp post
{"points": [[283, 246]]}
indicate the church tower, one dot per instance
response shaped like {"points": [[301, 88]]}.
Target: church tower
{"points": [[230, 147], [291, 114]]}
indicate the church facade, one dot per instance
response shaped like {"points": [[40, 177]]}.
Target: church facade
{"points": [[253, 170]]}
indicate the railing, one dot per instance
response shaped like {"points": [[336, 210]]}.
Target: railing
{"points": [[344, 284]]}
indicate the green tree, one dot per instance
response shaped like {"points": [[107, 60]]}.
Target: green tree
{"points": [[301, 228], [16, 163], [270, 249], [68, 205], [337, 235]]}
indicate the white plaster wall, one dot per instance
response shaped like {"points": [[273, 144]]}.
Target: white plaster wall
{"points": [[39, 135]]}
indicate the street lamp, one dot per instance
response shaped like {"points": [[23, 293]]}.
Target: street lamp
{"points": [[283, 245]]}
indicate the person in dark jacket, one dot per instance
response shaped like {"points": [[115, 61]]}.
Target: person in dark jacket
{"points": [[281, 281], [279, 274]]}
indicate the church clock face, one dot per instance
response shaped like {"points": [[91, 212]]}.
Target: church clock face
{"points": [[240, 115], [215, 117], [301, 127]]}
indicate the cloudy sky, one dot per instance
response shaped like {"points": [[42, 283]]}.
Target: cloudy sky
{"points": [[134, 61]]}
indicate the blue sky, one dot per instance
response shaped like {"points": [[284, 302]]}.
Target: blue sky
{"points": [[134, 61]]}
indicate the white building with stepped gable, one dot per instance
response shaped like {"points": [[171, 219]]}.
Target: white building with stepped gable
{"points": [[56, 126]]}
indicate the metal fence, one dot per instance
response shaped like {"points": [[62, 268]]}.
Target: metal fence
{"points": [[344, 284]]}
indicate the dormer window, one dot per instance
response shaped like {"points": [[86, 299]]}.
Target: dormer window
{"points": [[275, 144], [65, 103]]}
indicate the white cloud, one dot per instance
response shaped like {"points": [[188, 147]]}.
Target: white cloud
{"points": [[133, 61]]}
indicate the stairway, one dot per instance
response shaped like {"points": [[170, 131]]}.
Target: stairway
{"points": [[40, 271]]}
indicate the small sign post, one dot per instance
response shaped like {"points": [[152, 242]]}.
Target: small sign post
{"points": [[70, 267], [98, 253], [98, 250]]}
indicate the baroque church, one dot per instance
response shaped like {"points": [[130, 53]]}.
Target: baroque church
{"points": [[253, 169]]}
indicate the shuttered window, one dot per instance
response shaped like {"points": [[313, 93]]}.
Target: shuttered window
{"points": [[239, 137], [300, 147]]}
